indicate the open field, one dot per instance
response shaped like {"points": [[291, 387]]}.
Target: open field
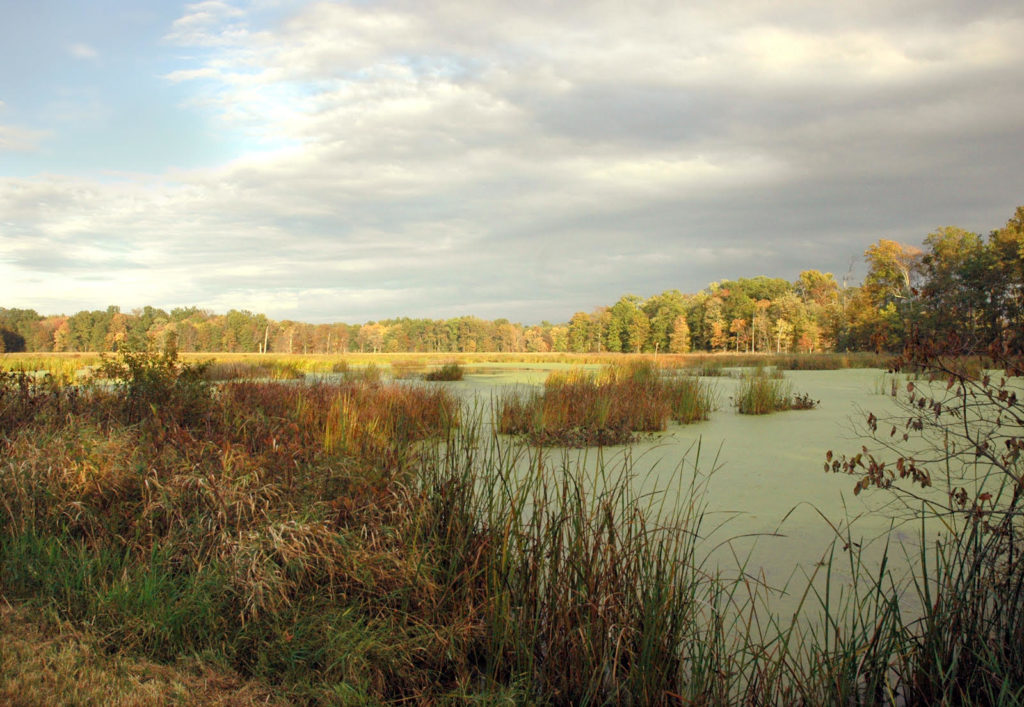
{"points": [[358, 541]]}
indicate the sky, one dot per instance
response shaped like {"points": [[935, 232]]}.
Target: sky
{"points": [[362, 160]]}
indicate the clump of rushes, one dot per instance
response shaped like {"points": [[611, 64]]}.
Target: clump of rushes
{"points": [[404, 368], [763, 392], [708, 368], [369, 374], [579, 408], [689, 400], [448, 372], [594, 593], [250, 370]]}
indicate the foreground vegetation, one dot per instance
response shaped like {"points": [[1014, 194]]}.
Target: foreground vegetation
{"points": [[359, 543]]}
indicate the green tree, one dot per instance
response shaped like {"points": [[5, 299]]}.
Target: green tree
{"points": [[637, 329], [1006, 285], [893, 269], [617, 335], [956, 269]]}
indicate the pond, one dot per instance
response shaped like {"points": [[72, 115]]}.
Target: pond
{"points": [[771, 506]]}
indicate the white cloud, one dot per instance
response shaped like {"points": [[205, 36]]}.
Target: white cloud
{"points": [[17, 139], [209, 23], [82, 51]]}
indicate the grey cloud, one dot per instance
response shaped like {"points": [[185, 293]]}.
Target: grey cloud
{"points": [[449, 159]]}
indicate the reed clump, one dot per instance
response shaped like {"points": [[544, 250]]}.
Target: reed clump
{"points": [[450, 371], [595, 594], [578, 408], [253, 370], [762, 392]]}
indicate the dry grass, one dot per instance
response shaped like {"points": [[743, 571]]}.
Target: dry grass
{"points": [[47, 662]]}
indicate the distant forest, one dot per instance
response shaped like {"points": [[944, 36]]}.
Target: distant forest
{"points": [[958, 288]]}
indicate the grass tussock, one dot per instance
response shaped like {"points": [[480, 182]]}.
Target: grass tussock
{"points": [[762, 392], [450, 371], [580, 408]]}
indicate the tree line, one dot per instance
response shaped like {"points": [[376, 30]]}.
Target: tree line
{"points": [[958, 287]]}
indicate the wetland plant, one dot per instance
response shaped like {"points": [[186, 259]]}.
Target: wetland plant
{"points": [[274, 369], [579, 408], [960, 428], [762, 392], [450, 371]]}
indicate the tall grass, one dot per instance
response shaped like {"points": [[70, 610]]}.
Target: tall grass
{"points": [[711, 364], [761, 392], [253, 370], [595, 593], [583, 408], [266, 531], [62, 366], [450, 371]]}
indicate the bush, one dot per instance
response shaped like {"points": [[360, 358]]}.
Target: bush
{"points": [[159, 386]]}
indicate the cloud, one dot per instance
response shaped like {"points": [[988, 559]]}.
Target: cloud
{"points": [[82, 51], [208, 23], [17, 139], [437, 158]]}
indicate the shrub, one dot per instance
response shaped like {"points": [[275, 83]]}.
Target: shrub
{"points": [[159, 386], [959, 429]]}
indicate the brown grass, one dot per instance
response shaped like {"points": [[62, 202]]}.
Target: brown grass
{"points": [[47, 661]]}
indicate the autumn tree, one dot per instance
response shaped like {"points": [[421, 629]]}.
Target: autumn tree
{"points": [[579, 332], [679, 339], [894, 270]]}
